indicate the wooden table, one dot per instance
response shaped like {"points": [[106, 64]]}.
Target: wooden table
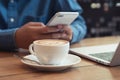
{"points": [[12, 68]]}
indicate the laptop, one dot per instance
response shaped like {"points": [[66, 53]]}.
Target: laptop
{"points": [[105, 54]]}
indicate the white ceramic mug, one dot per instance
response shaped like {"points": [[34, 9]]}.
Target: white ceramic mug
{"points": [[50, 51]]}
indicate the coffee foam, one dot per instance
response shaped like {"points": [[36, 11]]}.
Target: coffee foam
{"points": [[51, 42]]}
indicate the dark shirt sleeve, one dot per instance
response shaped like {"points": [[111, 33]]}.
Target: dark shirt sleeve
{"points": [[7, 41]]}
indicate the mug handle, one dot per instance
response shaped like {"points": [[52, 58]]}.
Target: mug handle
{"points": [[31, 49]]}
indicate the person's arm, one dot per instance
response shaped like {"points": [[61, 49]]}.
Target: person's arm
{"points": [[79, 29], [7, 41], [78, 26]]}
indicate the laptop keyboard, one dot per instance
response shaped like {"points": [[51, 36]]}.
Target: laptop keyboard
{"points": [[105, 56]]}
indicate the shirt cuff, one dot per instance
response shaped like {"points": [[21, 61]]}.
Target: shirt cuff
{"points": [[79, 32], [7, 39]]}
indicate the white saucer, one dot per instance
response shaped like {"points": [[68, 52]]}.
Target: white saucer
{"points": [[69, 62]]}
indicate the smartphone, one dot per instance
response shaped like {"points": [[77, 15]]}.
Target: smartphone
{"points": [[64, 18]]}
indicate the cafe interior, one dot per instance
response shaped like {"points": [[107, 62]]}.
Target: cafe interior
{"points": [[102, 18]]}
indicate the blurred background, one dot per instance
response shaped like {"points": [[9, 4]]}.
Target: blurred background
{"points": [[102, 17]]}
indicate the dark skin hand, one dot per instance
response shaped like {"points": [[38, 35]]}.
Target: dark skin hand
{"points": [[31, 31]]}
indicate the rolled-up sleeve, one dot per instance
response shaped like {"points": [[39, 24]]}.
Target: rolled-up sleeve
{"points": [[7, 39], [79, 29]]}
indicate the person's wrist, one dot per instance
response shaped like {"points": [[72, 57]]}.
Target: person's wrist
{"points": [[17, 39]]}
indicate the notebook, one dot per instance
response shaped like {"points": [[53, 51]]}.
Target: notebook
{"points": [[105, 54]]}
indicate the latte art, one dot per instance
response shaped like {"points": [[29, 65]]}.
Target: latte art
{"points": [[50, 42]]}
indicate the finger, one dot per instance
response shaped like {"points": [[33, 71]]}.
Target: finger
{"points": [[54, 36], [35, 24], [68, 30], [60, 36], [65, 36], [49, 30], [48, 36], [57, 35], [51, 36]]}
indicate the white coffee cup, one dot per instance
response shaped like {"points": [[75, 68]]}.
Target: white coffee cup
{"points": [[50, 51]]}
